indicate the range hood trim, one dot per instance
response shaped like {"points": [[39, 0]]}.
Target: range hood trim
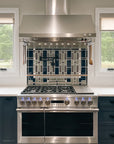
{"points": [[57, 26], [62, 35]]}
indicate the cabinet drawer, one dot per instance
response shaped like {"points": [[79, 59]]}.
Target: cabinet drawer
{"points": [[106, 134], [106, 117], [106, 103]]}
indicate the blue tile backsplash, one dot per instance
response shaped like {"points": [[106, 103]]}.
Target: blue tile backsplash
{"points": [[49, 63]]}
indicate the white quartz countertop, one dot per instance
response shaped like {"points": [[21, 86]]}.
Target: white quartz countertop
{"points": [[10, 91], [102, 91]]}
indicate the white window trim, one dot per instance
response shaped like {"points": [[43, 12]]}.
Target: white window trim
{"points": [[15, 71], [100, 72]]}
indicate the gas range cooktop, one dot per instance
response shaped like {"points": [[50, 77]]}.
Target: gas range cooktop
{"points": [[49, 90]]}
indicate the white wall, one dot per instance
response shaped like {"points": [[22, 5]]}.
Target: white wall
{"points": [[75, 7], [38, 6]]}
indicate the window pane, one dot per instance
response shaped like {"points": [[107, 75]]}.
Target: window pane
{"points": [[6, 45], [107, 49]]}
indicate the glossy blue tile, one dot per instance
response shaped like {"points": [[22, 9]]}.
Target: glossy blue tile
{"points": [[69, 63], [56, 70], [68, 54], [83, 53], [33, 79], [57, 54], [56, 62], [30, 63], [83, 62], [44, 70], [44, 63], [83, 71], [30, 54], [44, 79], [80, 79], [68, 70], [83, 78], [29, 70], [44, 53], [68, 79]]}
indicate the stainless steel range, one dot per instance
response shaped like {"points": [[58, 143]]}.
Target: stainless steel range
{"points": [[57, 114]]}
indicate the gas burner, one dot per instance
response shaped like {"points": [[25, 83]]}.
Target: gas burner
{"points": [[49, 90], [66, 89]]}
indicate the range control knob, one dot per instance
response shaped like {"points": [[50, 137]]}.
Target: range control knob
{"points": [[83, 101], [90, 102], [22, 101], [40, 101], [76, 101], [28, 101], [67, 101], [47, 102], [34, 101]]}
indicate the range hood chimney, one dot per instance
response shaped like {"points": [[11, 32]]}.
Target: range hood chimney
{"points": [[56, 7], [57, 22]]}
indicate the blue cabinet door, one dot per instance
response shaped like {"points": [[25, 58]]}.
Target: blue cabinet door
{"points": [[8, 120], [0, 121], [106, 120]]}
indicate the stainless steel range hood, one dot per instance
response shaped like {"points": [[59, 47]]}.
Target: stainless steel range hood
{"points": [[57, 22], [57, 26]]}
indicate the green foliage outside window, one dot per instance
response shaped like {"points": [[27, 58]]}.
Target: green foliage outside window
{"points": [[6, 45], [107, 49]]}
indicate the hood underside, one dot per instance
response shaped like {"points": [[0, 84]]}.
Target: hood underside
{"points": [[57, 26]]}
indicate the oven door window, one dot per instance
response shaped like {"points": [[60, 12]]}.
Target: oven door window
{"points": [[32, 124], [68, 124]]}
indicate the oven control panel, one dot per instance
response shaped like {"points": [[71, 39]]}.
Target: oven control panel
{"points": [[58, 102]]}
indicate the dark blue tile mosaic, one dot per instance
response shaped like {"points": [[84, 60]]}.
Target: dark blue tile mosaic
{"points": [[57, 54], [83, 78], [44, 53], [56, 70], [30, 70], [68, 79], [30, 63], [80, 79], [44, 70], [30, 53], [68, 70], [44, 63], [56, 62], [83, 53], [69, 63], [44, 79], [83, 63], [83, 71], [68, 54], [33, 79]]}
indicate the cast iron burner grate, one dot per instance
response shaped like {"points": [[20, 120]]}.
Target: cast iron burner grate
{"points": [[49, 90]]}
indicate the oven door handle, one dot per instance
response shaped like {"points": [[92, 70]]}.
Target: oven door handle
{"points": [[57, 110], [71, 110], [30, 110]]}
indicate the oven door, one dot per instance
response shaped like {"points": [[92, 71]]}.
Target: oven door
{"points": [[30, 126], [71, 126]]}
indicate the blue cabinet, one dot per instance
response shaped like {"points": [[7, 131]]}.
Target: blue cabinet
{"points": [[8, 120], [106, 120]]}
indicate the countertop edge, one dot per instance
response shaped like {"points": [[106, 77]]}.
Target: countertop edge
{"points": [[14, 91]]}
